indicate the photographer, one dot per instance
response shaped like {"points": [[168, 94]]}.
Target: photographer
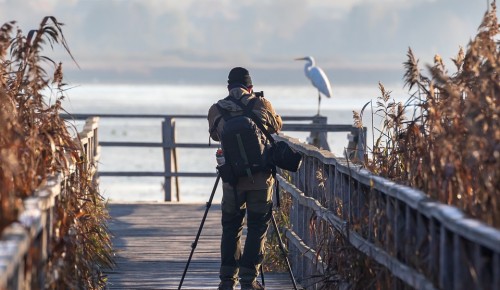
{"points": [[250, 194]]}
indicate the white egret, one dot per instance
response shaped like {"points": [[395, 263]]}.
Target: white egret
{"points": [[317, 77]]}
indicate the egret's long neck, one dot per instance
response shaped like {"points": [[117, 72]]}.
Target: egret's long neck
{"points": [[307, 66]]}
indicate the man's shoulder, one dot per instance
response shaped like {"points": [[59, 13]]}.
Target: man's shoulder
{"points": [[213, 110], [218, 103], [264, 103]]}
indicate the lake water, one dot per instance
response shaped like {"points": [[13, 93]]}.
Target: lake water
{"points": [[188, 99]]}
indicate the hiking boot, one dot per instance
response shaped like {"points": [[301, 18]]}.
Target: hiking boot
{"points": [[226, 285], [255, 285]]}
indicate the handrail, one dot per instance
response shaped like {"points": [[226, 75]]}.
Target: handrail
{"points": [[169, 143], [424, 243], [84, 116], [25, 245]]}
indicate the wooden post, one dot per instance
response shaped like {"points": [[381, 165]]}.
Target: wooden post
{"points": [[346, 196], [330, 183], [317, 138], [356, 147], [410, 236], [361, 146], [337, 192], [96, 143], [445, 259], [496, 269], [460, 278], [176, 167], [371, 209], [167, 133], [389, 228], [434, 253], [95, 177]]}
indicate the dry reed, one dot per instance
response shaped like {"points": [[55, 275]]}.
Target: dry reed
{"points": [[450, 146], [35, 143]]}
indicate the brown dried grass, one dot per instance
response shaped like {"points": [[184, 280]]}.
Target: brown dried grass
{"points": [[34, 144], [274, 259], [450, 147]]}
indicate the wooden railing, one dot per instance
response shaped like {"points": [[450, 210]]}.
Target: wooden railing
{"points": [[169, 144], [90, 141], [25, 245], [423, 243]]}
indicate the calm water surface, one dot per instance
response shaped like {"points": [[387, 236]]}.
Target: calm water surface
{"points": [[184, 99]]}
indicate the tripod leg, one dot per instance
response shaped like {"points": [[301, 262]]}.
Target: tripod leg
{"points": [[282, 248], [195, 243]]}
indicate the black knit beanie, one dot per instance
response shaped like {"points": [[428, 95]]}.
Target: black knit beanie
{"points": [[239, 75]]}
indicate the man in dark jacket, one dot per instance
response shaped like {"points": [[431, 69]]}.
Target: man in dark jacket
{"points": [[253, 195]]}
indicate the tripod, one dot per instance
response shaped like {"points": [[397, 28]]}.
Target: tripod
{"points": [[195, 243], [282, 248]]}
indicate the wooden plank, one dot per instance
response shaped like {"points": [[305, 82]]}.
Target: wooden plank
{"points": [[153, 242]]}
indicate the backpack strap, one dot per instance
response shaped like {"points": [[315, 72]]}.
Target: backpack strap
{"points": [[249, 113], [223, 114], [216, 123]]}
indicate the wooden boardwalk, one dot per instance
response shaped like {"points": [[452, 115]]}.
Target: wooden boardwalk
{"points": [[153, 242]]}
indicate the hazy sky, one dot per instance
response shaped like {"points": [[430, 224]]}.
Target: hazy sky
{"points": [[141, 36]]}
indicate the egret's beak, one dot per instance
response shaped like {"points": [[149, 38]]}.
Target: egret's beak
{"points": [[300, 58]]}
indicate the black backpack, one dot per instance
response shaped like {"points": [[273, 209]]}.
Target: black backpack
{"points": [[245, 150]]}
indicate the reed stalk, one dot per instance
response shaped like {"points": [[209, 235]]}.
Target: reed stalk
{"points": [[36, 143]]}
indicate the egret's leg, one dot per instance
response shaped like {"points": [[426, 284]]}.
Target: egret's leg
{"points": [[319, 101]]}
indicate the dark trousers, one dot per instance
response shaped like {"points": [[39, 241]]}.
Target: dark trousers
{"points": [[257, 205]]}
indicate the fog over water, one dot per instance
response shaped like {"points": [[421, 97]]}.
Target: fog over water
{"points": [[196, 41], [193, 100]]}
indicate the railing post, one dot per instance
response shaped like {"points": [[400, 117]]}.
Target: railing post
{"points": [[96, 156], [319, 138], [361, 147], [356, 147], [167, 133], [96, 142], [176, 167]]}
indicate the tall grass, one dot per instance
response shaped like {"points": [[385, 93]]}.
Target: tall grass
{"points": [[445, 140], [35, 143]]}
